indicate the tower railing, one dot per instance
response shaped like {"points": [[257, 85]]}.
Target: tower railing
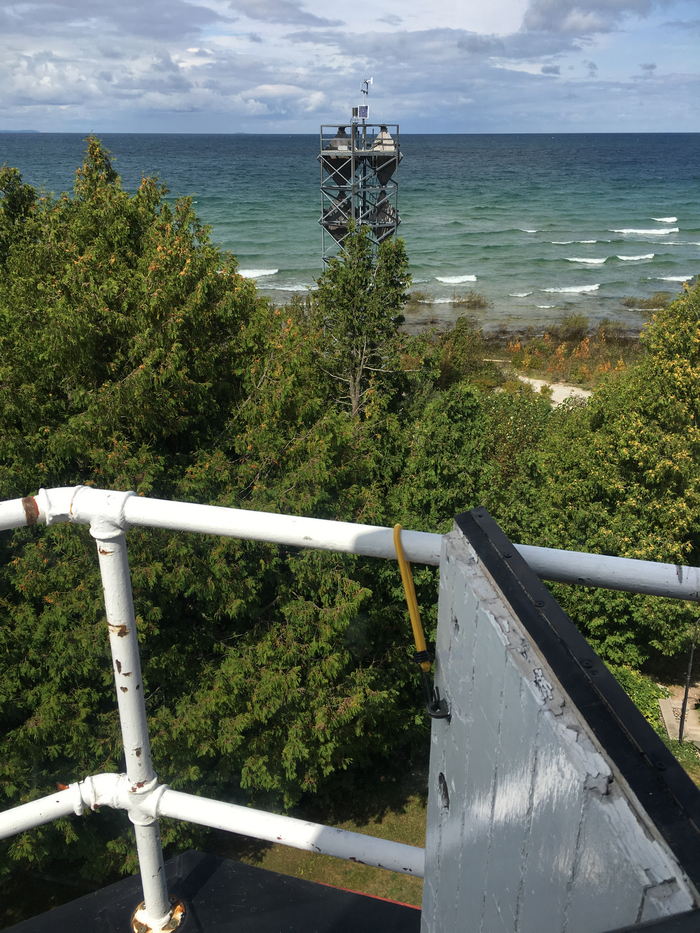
{"points": [[109, 514]]}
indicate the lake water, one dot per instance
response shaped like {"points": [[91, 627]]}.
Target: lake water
{"points": [[540, 225]]}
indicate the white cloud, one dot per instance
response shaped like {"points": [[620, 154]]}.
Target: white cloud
{"points": [[288, 64]]}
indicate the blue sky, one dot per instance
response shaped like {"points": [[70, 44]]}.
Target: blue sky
{"points": [[288, 65]]}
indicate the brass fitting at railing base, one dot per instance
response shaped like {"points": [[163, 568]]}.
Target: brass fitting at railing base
{"points": [[141, 924]]}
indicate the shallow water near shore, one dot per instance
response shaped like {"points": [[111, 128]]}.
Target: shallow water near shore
{"points": [[540, 225]]}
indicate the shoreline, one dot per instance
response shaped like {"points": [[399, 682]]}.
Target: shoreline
{"points": [[421, 317], [439, 315]]}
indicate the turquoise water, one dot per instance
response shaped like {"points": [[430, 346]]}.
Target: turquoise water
{"points": [[540, 225]]}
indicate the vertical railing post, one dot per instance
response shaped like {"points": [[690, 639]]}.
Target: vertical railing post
{"points": [[121, 622]]}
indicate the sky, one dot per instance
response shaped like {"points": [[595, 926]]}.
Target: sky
{"points": [[286, 66]]}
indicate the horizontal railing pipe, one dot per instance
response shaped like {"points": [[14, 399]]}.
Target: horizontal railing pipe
{"points": [[613, 573], [115, 790], [16, 513], [83, 504], [369, 540], [40, 811], [620, 573], [288, 831]]}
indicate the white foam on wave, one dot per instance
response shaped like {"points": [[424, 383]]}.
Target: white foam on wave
{"points": [[591, 262], [586, 241], [524, 230], [257, 273], [562, 242], [435, 301], [665, 220], [293, 288], [632, 231], [520, 294], [674, 278], [636, 258], [573, 289], [544, 307], [455, 279]]}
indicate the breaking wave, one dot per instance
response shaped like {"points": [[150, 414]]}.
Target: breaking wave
{"points": [[455, 279], [257, 273], [573, 289], [294, 288], [632, 231]]}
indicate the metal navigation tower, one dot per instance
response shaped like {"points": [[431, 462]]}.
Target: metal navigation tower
{"points": [[359, 161]]}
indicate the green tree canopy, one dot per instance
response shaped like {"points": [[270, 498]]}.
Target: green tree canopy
{"points": [[133, 356], [620, 475], [357, 308]]}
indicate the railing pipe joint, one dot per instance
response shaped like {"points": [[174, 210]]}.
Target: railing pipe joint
{"points": [[141, 803], [83, 505]]}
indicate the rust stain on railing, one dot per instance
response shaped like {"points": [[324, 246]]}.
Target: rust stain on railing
{"points": [[31, 509]]}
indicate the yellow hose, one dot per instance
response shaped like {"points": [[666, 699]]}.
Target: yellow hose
{"points": [[411, 601]]}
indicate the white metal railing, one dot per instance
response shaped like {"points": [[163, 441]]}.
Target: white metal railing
{"points": [[109, 514]]}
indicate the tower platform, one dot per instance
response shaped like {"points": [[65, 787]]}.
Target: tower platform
{"points": [[224, 896]]}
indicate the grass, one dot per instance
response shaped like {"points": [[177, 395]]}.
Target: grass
{"points": [[391, 810], [418, 296], [687, 755], [387, 808], [396, 809], [645, 692], [654, 303], [471, 300]]}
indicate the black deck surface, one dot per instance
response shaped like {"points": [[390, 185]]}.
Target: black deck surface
{"points": [[223, 896]]}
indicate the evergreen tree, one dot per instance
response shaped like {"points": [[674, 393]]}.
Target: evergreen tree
{"points": [[133, 356], [357, 307], [122, 348], [621, 475]]}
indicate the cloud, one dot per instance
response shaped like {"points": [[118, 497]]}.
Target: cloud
{"points": [[289, 12], [648, 69], [688, 25], [430, 48], [581, 17], [284, 66], [163, 19]]}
